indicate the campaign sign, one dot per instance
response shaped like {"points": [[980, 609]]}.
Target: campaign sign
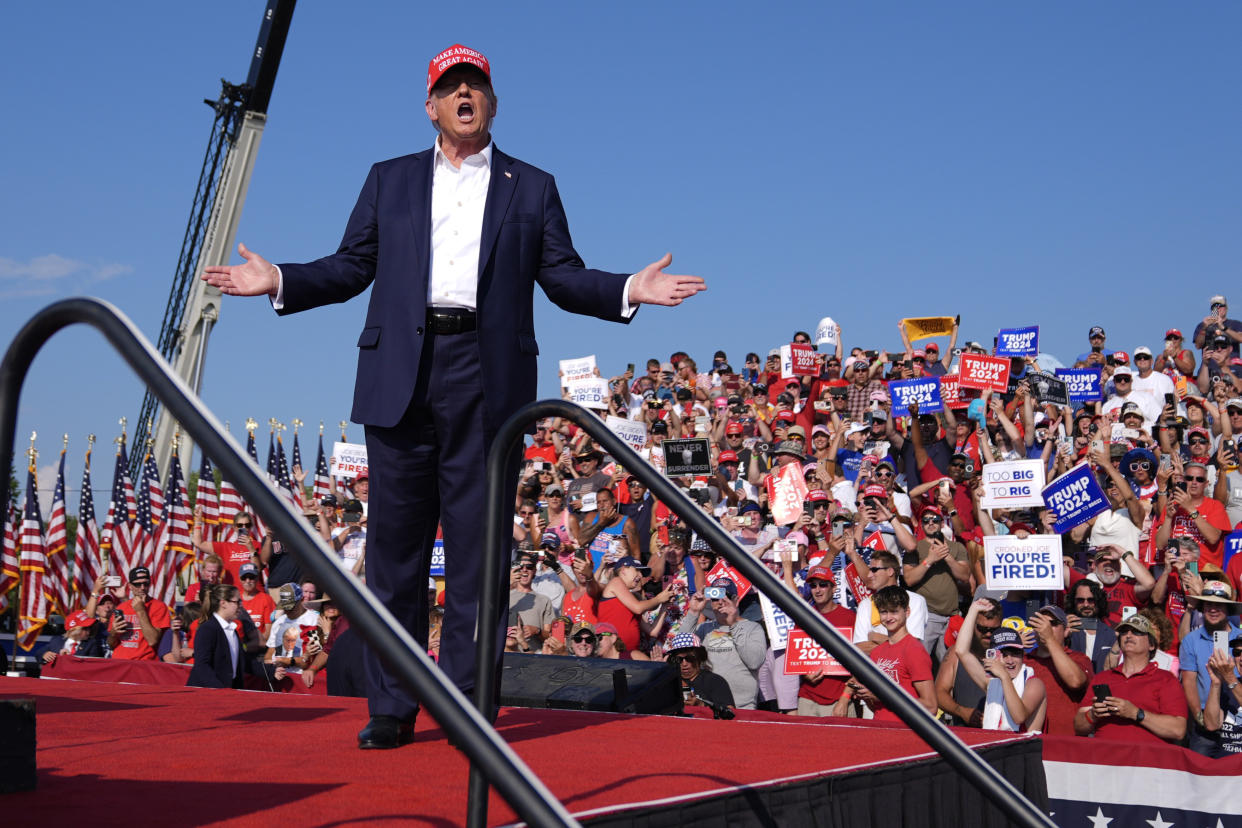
{"points": [[950, 392], [1048, 388], [1018, 342], [1083, 384], [1032, 563], [1075, 497], [437, 559], [982, 372], [723, 570], [348, 459], [1012, 485], [687, 457], [787, 492], [803, 655], [591, 392], [577, 369], [922, 390], [798, 360], [778, 623], [1233, 542], [633, 432]]}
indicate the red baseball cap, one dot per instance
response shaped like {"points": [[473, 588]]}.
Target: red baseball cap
{"points": [[788, 416], [1121, 357], [816, 495], [452, 56], [820, 573], [1173, 332], [876, 490], [78, 619], [733, 428], [727, 457]]}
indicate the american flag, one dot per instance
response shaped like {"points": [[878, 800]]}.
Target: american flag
{"points": [[87, 565], [206, 497], [323, 481], [56, 577], [282, 471], [10, 566], [155, 493], [145, 554], [122, 535], [231, 502], [173, 549], [34, 563], [299, 491]]}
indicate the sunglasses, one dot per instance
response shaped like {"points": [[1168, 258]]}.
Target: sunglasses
{"points": [[243, 525], [524, 568], [584, 639], [877, 568], [818, 584], [1140, 465], [1196, 479], [932, 519], [525, 513], [1087, 600], [1122, 378], [1237, 651], [884, 473], [1198, 440]]}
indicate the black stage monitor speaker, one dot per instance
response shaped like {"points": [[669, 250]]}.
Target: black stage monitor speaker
{"points": [[17, 745], [568, 683]]}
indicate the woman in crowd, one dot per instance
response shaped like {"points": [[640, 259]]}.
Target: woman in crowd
{"points": [[1015, 699], [618, 605], [699, 685], [218, 652], [582, 640]]}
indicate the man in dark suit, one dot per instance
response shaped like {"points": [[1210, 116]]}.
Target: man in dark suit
{"points": [[452, 241]]}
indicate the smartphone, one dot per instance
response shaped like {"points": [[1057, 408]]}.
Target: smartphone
{"points": [[112, 581], [1170, 399], [1097, 445], [558, 630], [1101, 691], [543, 514], [821, 405], [117, 615], [629, 367], [1193, 568], [838, 529], [1220, 641], [588, 502], [991, 652], [580, 554], [1166, 461], [945, 489], [1128, 612]]}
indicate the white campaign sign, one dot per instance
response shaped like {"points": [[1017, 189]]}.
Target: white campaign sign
{"points": [[589, 393], [577, 369], [778, 623], [633, 432], [1033, 562], [1013, 485], [348, 459]]}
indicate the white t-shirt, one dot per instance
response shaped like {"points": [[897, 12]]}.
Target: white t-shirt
{"points": [[915, 624], [354, 546], [282, 622], [1155, 386]]}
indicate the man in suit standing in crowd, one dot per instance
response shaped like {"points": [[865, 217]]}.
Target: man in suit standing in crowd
{"points": [[451, 241]]}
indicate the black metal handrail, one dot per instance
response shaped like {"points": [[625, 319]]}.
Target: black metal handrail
{"points": [[501, 468], [466, 728]]}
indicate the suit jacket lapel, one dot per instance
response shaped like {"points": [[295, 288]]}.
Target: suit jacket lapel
{"points": [[499, 192], [418, 176]]}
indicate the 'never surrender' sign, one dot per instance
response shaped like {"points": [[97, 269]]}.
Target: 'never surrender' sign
{"points": [[1018, 342], [923, 390], [1033, 562], [1075, 497]]}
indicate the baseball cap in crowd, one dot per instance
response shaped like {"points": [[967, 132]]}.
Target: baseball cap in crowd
{"points": [[550, 540], [855, 428], [363, 476], [659, 427], [605, 628], [1234, 402], [581, 626], [630, 560], [733, 428], [876, 490], [1218, 592], [248, 569], [1140, 625], [1221, 341], [786, 415], [727, 457], [798, 431], [1131, 408], [555, 488], [352, 506], [139, 573], [1121, 358], [452, 56], [791, 448], [820, 429], [328, 500], [1054, 611], [730, 588], [681, 642], [289, 596], [1172, 333], [78, 619], [878, 416], [1217, 300], [1095, 331], [1007, 639], [820, 573], [1142, 350], [817, 496], [931, 346], [975, 346], [1123, 370], [1201, 431], [666, 368]]}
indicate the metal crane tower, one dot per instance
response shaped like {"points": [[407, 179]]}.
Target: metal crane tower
{"points": [[194, 306]]}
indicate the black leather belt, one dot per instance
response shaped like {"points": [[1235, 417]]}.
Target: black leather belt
{"points": [[451, 320]]}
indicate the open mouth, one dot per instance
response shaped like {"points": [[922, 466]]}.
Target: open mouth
{"points": [[465, 111]]}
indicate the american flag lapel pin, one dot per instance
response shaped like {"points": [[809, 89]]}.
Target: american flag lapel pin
{"points": [[508, 174]]}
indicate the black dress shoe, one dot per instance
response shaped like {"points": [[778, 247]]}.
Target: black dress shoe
{"points": [[385, 733]]}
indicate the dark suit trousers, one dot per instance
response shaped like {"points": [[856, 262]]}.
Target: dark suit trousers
{"points": [[430, 467]]}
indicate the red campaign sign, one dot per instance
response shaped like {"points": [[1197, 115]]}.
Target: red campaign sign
{"points": [[723, 570], [856, 584], [950, 393], [804, 360], [982, 372], [787, 492], [803, 655]]}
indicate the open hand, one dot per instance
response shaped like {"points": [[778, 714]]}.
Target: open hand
{"points": [[652, 286], [256, 277]]}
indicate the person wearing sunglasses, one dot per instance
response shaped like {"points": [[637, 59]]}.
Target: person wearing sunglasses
{"points": [[1222, 714], [218, 656], [241, 549], [939, 567], [699, 685], [1216, 602], [531, 612], [1123, 388], [882, 571], [1189, 512], [820, 694]]}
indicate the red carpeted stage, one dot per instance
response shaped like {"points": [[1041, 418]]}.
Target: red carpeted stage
{"points": [[122, 754]]}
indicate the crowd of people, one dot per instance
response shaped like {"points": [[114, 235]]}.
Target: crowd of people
{"points": [[1141, 642]]}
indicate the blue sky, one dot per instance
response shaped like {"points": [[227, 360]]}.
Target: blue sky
{"points": [[1063, 164]]}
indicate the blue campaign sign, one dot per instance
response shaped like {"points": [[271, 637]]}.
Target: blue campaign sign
{"points": [[1018, 342], [1075, 497], [1083, 384], [1233, 543], [437, 559], [924, 390]]}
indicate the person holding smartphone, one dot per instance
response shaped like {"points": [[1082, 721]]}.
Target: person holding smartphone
{"points": [[1015, 699], [1216, 602]]}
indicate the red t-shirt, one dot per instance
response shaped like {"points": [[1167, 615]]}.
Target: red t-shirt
{"points": [[828, 689], [545, 452], [611, 610], [1063, 703], [905, 663], [1154, 690], [1121, 594], [260, 607], [1210, 556], [134, 646], [233, 555]]}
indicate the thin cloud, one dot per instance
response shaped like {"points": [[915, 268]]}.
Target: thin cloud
{"points": [[53, 273]]}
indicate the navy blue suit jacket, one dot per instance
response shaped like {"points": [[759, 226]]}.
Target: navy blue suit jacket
{"points": [[213, 664], [387, 245]]}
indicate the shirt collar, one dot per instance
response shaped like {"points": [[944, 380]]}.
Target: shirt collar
{"points": [[483, 157], [229, 626]]}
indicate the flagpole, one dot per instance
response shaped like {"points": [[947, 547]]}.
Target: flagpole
{"points": [[31, 456]]}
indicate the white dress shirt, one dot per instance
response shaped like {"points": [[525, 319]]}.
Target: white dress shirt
{"points": [[230, 635]]}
